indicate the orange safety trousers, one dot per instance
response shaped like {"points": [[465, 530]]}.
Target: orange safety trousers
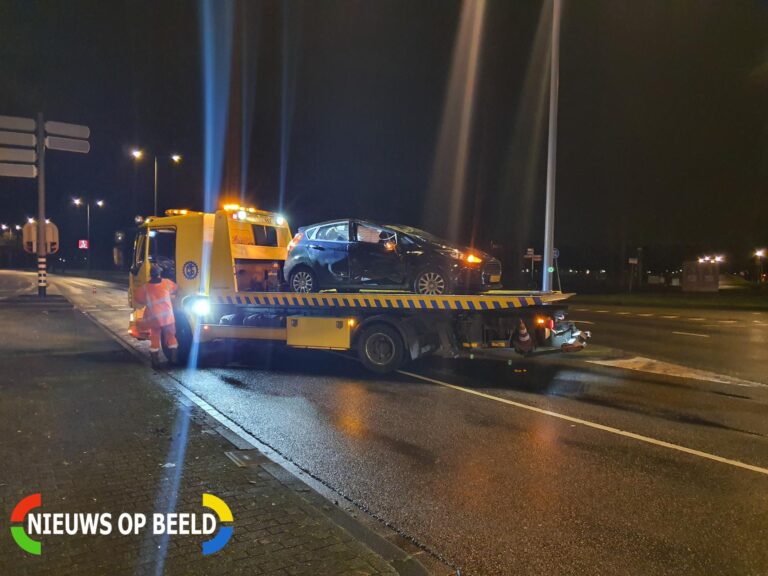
{"points": [[159, 315], [157, 332]]}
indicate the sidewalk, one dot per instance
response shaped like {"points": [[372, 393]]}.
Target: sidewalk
{"points": [[85, 425]]}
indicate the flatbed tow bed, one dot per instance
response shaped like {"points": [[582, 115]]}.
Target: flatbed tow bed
{"points": [[390, 328]]}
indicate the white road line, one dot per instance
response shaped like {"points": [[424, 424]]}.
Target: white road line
{"points": [[624, 313], [670, 317], [697, 319], [727, 321], [603, 311], [594, 425], [645, 315], [692, 334], [581, 309]]}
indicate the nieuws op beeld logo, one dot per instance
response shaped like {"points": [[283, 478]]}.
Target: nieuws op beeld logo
{"points": [[28, 525]]}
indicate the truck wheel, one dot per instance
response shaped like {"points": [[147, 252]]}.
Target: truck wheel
{"points": [[380, 348], [432, 281], [303, 280], [183, 336]]}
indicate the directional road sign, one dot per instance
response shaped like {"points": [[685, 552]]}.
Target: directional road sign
{"points": [[18, 124], [18, 170], [64, 129], [67, 144], [18, 139], [17, 155]]}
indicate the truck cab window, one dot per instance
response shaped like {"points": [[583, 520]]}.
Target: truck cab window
{"points": [[162, 250]]}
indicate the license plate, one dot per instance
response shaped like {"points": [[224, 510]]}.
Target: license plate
{"points": [[495, 278]]}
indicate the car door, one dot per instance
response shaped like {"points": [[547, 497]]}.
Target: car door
{"points": [[375, 259], [328, 251]]}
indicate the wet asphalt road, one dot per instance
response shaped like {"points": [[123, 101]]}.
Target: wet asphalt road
{"points": [[732, 342], [497, 487]]}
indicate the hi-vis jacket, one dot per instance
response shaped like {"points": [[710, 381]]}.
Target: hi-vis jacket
{"points": [[157, 298]]}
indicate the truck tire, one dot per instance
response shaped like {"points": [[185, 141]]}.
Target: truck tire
{"points": [[183, 336], [380, 348], [303, 279], [432, 281]]}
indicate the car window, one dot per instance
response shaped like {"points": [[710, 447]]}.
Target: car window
{"points": [[310, 234], [374, 234], [333, 232]]}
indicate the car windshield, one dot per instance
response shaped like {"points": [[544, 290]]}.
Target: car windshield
{"points": [[421, 234]]}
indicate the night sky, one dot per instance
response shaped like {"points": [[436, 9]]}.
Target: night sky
{"points": [[663, 135]]}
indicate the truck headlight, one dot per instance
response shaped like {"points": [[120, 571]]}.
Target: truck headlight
{"points": [[200, 306]]}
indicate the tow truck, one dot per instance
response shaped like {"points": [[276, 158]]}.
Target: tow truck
{"points": [[228, 268]]}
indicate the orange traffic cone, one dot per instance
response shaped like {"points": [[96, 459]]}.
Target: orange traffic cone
{"points": [[523, 341]]}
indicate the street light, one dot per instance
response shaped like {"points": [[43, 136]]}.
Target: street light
{"points": [[138, 154], [760, 254], [79, 202]]}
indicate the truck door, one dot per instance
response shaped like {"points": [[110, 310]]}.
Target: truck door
{"points": [[329, 253], [374, 257], [139, 274]]}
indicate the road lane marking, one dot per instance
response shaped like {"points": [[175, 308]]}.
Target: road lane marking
{"points": [[645, 315], [595, 425], [670, 317], [603, 311], [692, 334], [582, 309], [702, 319], [624, 313], [728, 321]]}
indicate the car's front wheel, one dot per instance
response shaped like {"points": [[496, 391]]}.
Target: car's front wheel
{"points": [[432, 282], [303, 280]]}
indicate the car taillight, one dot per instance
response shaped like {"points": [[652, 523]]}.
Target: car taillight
{"points": [[294, 241]]}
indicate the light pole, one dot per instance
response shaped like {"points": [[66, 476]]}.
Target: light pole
{"points": [[760, 254], [554, 87], [138, 154], [87, 202]]}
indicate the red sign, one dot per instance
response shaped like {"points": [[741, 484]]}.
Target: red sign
{"points": [[82, 244]]}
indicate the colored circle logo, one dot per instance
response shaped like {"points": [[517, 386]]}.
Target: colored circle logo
{"points": [[191, 270]]}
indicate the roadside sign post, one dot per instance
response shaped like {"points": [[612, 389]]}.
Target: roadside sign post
{"points": [[42, 269], [21, 162]]}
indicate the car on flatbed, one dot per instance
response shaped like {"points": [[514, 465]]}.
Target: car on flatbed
{"points": [[350, 255]]}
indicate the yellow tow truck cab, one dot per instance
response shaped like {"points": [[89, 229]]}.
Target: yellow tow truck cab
{"points": [[228, 269], [235, 249]]}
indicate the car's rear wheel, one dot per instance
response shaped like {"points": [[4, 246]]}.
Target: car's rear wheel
{"points": [[303, 280], [432, 282], [380, 348]]}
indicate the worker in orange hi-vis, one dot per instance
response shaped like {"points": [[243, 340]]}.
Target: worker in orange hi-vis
{"points": [[159, 318]]}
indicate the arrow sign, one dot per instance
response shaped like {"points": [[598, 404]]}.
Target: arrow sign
{"points": [[18, 170], [17, 155], [67, 144], [16, 123], [18, 139], [64, 129]]}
